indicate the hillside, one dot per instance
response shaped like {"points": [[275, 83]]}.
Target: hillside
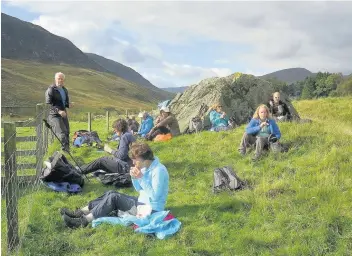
{"points": [[127, 73], [289, 75], [175, 89], [297, 204], [25, 41], [24, 83]]}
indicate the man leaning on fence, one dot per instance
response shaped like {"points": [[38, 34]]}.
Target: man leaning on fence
{"points": [[57, 96]]}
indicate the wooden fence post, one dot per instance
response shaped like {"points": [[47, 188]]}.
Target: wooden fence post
{"points": [[107, 122], [89, 122], [39, 130], [11, 191], [46, 132]]}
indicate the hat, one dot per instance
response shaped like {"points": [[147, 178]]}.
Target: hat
{"points": [[165, 109], [141, 114]]}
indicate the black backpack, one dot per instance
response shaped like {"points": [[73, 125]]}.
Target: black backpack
{"points": [[61, 171], [119, 180], [226, 178]]}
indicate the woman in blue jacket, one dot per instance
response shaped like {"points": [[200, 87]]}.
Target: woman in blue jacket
{"points": [[147, 124], [150, 179], [218, 118], [258, 131]]}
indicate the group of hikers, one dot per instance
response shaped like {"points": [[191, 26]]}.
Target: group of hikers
{"points": [[149, 176]]}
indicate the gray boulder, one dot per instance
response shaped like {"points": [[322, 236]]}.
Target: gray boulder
{"points": [[239, 94]]}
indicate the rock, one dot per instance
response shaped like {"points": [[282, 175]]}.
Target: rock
{"points": [[239, 94]]}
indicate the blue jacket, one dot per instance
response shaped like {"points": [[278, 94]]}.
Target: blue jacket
{"points": [[153, 186], [253, 127], [146, 126], [123, 147], [216, 121]]}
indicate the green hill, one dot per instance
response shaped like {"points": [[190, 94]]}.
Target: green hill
{"points": [[297, 204], [24, 83]]}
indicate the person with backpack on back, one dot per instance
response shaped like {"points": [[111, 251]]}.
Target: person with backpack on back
{"points": [[57, 97], [150, 179], [119, 162], [261, 131]]}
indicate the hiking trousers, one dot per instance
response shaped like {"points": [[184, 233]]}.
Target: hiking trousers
{"points": [[61, 128], [159, 130], [109, 164], [248, 139], [112, 202]]}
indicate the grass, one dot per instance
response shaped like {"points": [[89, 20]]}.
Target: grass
{"points": [[299, 203]]}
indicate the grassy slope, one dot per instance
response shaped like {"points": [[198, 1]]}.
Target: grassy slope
{"points": [[299, 204], [25, 83]]}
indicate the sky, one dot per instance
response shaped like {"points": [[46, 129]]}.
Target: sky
{"points": [[179, 43]]}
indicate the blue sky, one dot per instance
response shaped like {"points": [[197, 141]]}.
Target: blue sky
{"points": [[180, 43]]}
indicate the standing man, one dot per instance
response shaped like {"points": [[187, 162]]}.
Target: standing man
{"points": [[57, 96]]}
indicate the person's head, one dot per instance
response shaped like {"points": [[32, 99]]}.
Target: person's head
{"points": [[276, 97], [143, 115], [59, 78], [141, 155], [262, 112], [165, 111], [217, 107], [120, 126]]}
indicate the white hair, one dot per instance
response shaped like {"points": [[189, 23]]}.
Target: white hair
{"points": [[59, 74]]}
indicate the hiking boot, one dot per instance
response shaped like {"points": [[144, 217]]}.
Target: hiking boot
{"points": [[75, 222], [73, 214]]}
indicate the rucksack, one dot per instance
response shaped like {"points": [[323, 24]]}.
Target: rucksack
{"points": [[61, 171], [226, 178], [119, 180], [64, 187], [83, 136]]}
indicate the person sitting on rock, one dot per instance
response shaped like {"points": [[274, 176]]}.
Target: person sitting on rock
{"points": [[120, 161], [261, 131], [133, 125], [150, 179], [279, 109], [146, 125], [218, 118], [168, 124]]}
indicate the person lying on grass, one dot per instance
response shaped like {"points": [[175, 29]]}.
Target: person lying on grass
{"points": [[120, 162], [258, 131], [150, 178]]}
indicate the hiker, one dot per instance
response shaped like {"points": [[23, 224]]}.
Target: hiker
{"points": [[146, 125], [133, 125], [168, 124], [218, 118], [259, 131], [150, 179], [119, 162], [278, 109], [57, 97]]}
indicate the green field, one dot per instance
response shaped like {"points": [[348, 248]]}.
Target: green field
{"points": [[297, 204]]}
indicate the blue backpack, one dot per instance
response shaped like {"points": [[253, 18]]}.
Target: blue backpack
{"points": [[64, 187]]}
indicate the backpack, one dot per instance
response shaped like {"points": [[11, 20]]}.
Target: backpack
{"points": [[83, 136], [61, 171], [118, 180], [64, 187], [226, 178]]}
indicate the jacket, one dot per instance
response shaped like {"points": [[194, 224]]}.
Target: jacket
{"points": [[53, 97], [274, 109], [153, 186], [216, 120], [124, 146], [253, 127], [172, 124], [146, 126]]}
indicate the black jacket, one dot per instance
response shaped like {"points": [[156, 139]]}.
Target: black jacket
{"points": [[53, 97], [274, 108], [123, 148]]}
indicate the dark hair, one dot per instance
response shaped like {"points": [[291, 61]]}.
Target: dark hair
{"points": [[120, 125], [141, 150]]}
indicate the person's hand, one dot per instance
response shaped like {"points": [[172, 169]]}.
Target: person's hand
{"points": [[136, 173], [263, 124], [223, 115], [107, 148], [271, 103], [62, 113]]}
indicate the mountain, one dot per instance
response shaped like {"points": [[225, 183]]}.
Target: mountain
{"points": [[126, 73], [289, 75], [175, 89]]}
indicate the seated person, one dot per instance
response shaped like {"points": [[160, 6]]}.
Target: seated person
{"points": [[133, 125], [147, 124], [120, 161], [149, 177], [258, 131], [219, 120], [168, 124], [278, 109]]}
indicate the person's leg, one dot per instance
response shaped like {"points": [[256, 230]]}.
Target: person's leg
{"points": [[164, 130], [260, 143], [106, 163], [154, 134], [67, 125], [247, 139], [59, 128]]}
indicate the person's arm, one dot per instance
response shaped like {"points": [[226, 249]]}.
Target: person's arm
{"points": [[252, 127], [154, 189], [136, 185], [122, 151], [287, 110], [49, 100], [165, 121], [276, 130], [67, 99]]}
